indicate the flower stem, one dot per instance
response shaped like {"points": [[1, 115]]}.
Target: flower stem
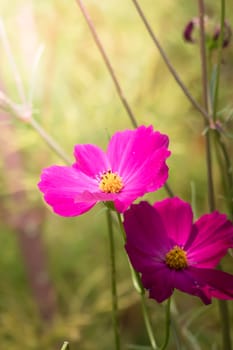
{"points": [[220, 47], [168, 63], [225, 324], [206, 106], [107, 62], [147, 321], [65, 346], [140, 289], [167, 326], [113, 282]]}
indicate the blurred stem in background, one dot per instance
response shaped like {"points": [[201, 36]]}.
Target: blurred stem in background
{"points": [[205, 95], [65, 346], [218, 67]]}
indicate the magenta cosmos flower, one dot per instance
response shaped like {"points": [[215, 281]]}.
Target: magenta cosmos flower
{"points": [[172, 252], [133, 165]]}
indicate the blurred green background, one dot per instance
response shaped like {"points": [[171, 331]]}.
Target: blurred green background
{"points": [[55, 282]]}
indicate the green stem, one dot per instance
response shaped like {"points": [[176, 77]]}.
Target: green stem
{"points": [[225, 324], [140, 289], [147, 321], [225, 168], [206, 106], [203, 56], [65, 346], [220, 48], [113, 282], [167, 326], [169, 190], [210, 184]]}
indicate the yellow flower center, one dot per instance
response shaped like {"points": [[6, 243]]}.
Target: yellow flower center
{"points": [[176, 258], [110, 182]]}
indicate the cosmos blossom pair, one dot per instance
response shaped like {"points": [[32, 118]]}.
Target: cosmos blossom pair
{"points": [[162, 242]]}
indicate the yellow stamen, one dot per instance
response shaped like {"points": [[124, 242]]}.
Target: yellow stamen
{"points": [[110, 182], [176, 258]]}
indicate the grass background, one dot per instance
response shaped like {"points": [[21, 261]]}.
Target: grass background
{"points": [[75, 102]]}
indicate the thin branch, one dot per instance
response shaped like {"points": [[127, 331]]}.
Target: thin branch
{"points": [[24, 113], [203, 55], [168, 63], [220, 47], [206, 105], [107, 62]]}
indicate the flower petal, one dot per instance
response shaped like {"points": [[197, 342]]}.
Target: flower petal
{"points": [[91, 160], [177, 217], [190, 283], [159, 283], [140, 260], [220, 284], [213, 237], [145, 233], [61, 185], [138, 156], [134, 144], [151, 174], [130, 149], [160, 176]]}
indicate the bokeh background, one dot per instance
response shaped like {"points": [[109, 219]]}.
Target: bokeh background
{"points": [[54, 271]]}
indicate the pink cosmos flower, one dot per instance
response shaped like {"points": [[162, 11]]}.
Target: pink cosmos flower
{"points": [[172, 252], [133, 165]]}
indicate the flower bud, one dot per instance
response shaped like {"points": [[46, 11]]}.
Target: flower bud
{"points": [[212, 32], [227, 32], [189, 28]]}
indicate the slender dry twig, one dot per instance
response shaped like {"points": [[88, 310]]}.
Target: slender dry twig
{"points": [[107, 62], [168, 63], [25, 114]]}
